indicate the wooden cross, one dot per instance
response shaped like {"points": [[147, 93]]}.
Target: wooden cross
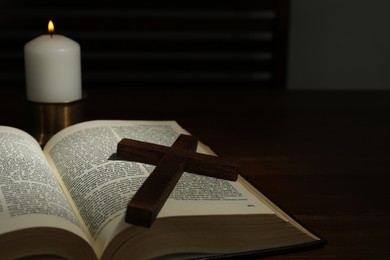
{"points": [[170, 163]]}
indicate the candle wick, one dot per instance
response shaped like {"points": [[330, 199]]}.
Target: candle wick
{"points": [[51, 35]]}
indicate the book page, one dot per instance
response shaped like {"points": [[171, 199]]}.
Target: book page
{"points": [[101, 186], [30, 196]]}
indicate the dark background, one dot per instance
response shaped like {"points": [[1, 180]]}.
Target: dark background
{"points": [[170, 44]]}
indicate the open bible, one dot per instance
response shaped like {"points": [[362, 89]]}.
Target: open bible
{"points": [[70, 199]]}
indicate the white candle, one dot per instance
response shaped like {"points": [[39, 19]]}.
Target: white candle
{"points": [[53, 69]]}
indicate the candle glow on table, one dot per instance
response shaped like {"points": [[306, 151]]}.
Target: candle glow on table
{"points": [[53, 68]]}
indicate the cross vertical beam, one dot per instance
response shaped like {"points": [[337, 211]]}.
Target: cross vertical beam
{"points": [[151, 196]]}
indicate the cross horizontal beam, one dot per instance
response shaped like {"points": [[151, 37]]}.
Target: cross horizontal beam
{"points": [[197, 163]]}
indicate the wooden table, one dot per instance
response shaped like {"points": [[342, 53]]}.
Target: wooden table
{"points": [[323, 156]]}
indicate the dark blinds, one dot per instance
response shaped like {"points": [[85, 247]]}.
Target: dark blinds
{"points": [[145, 43]]}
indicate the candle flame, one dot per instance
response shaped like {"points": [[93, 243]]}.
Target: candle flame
{"points": [[51, 26]]}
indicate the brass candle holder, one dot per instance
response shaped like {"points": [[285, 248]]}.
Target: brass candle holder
{"points": [[46, 119]]}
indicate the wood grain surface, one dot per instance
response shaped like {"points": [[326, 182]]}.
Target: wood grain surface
{"points": [[323, 156]]}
